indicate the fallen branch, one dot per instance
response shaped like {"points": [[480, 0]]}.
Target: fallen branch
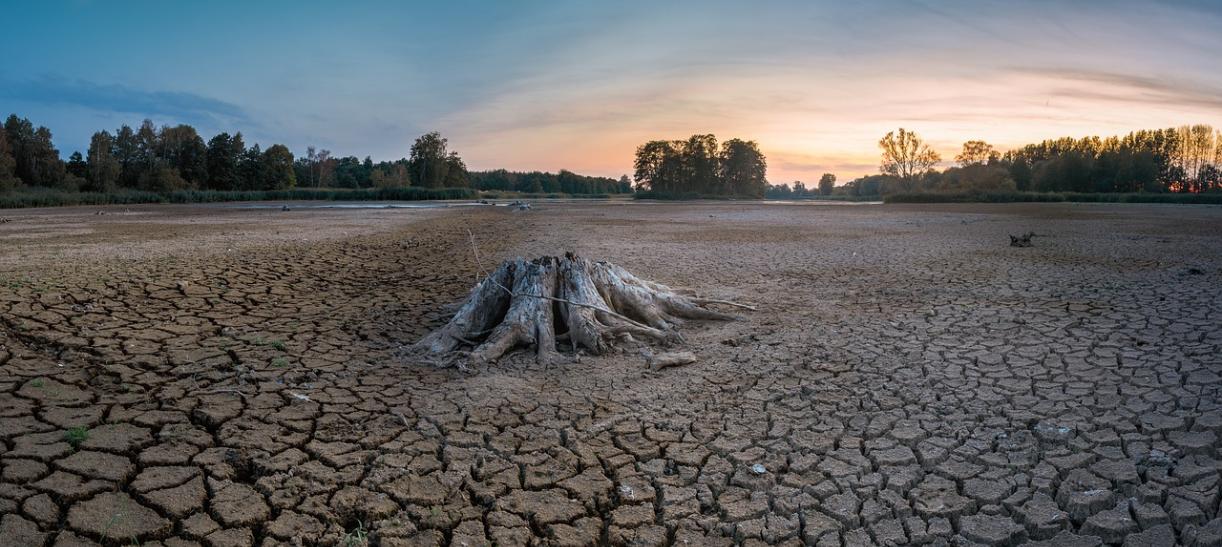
{"points": [[667, 360]]}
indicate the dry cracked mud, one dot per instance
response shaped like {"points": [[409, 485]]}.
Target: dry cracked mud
{"points": [[202, 375]]}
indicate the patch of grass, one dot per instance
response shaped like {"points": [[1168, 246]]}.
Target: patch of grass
{"points": [[357, 537], [280, 362], [76, 435], [37, 382], [274, 344]]}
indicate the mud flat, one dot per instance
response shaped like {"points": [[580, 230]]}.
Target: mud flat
{"points": [[226, 376]]}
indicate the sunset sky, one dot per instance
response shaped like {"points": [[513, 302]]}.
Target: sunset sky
{"points": [[579, 84]]}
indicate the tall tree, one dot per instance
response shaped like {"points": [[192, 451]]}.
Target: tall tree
{"points": [[103, 168], [659, 167], [127, 151], [976, 152], [430, 161], [146, 149], [826, 183], [223, 155], [743, 169], [182, 148], [905, 155], [250, 169], [277, 168], [20, 133], [49, 170], [36, 161], [456, 172], [76, 165], [700, 165], [8, 165], [1195, 152]]}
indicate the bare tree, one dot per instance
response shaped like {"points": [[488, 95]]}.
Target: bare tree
{"points": [[325, 166], [905, 155]]}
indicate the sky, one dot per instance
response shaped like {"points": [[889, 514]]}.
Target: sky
{"points": [[578, 85]]}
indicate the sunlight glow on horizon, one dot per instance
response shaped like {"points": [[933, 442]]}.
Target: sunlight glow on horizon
{"points": [[542, 85]]}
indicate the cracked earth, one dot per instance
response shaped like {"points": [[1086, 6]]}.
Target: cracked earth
{"points": [[203, 375]]}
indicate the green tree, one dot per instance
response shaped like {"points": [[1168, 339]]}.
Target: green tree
{"points": [[430, 162], [8, 165], [146, 151], [743, 169], [103, 168], [222, 157], [76, 165], [659, 166], [826, 183], [456, 172], [701, 166], [126, 151], [250, 169], [277, 168], [182, 148], [36, 161]]}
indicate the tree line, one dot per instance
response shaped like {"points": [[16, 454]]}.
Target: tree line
{"points": [[1185, 159], [697, 166], [536, 182], [170, 158]]}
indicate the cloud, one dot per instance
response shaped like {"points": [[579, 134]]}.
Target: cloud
{"points": [[175, 105], [1120, 87]]}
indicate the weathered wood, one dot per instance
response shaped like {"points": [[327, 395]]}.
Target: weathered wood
{"points": [[594, 306], [479, 314], [529, 319]]}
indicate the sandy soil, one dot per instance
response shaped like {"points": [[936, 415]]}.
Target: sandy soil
{"points": [[221, 376]]}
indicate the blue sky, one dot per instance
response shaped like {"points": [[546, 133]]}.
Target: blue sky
{"points": [[578, 84]]}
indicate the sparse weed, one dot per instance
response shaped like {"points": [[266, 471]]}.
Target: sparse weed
{"points": [[37, 382], [357, 537], [76, 435]]}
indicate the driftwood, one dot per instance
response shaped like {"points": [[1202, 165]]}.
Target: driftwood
{"points": [[667, 360], [1022, 240], [591, 306]]}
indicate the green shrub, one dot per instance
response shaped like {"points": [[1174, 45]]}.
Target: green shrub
{"points": [[76, 435]]}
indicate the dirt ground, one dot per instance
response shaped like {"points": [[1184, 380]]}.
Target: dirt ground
{"points": [[218, 375]]}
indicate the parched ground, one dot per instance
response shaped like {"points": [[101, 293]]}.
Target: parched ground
{"points": [[225, 376]]}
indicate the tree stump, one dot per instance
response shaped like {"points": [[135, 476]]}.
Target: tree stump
{"points": [[1023, 240], [593, 306]]}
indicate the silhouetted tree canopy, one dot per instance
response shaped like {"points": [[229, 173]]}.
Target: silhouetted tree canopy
{"points": [[1180, 159], [905, 155], [697, 166], [826, 183]]}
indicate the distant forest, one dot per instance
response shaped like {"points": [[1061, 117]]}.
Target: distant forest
{"points": [[175, 158], [1185, 159], [696, 167]]}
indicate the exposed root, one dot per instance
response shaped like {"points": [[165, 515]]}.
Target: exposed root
{"points": [[593, 306]]}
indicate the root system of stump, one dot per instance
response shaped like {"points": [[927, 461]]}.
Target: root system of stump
{"points": [[591, 306]]}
